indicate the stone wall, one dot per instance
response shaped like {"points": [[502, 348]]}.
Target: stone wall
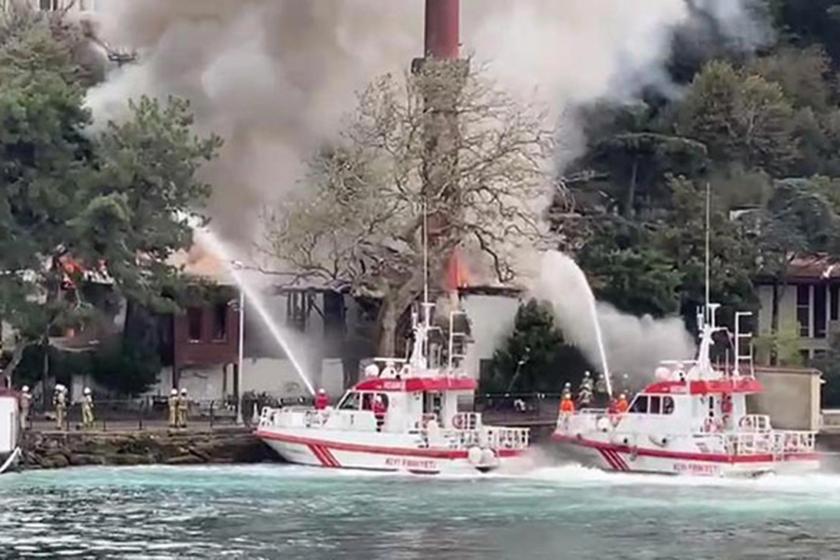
{"points": [[49, 450]]}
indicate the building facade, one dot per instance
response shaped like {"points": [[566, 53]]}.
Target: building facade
{"points": [[807, 302]]}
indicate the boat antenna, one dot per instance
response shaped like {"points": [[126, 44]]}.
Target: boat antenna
{"points": [[707, 309], [425, 252]]}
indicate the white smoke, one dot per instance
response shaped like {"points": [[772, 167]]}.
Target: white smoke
{"points": [[633, 345], [274, 77]]}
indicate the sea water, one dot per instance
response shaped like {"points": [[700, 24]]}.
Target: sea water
{"points": [[283, 512]]}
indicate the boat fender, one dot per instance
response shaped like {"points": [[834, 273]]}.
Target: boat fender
{"points": [[579, 435], [661, 442], [603, 424], [474, 455], [626, 441], [488, 457]]}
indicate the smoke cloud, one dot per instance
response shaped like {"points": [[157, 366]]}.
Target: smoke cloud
{"points": [[274, 77], [633, 345]]}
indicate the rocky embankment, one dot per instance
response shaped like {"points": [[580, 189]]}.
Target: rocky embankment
{"points": [[52, 450]]}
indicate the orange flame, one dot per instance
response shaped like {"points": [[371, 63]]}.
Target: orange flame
{"points": [[457, 273]]}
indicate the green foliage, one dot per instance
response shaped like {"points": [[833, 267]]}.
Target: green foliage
{"points": [[762, 130], [534, 357], [782, 345], [740, 117], [119, 197], [124, 366]]}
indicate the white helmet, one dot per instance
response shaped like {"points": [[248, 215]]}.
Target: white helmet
{"points": [[183, 391], [173, 392], [321, 391], [25, 388], [87, 391], [586, 374]]}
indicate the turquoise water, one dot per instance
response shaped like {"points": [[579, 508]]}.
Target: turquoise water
{"points": [[283, 512]]}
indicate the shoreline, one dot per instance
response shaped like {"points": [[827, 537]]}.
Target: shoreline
{"points": [[218, 446]]}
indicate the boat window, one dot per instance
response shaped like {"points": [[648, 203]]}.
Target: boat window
{"points": [[640, 405], [667, 405], [655, 405], [367, 401], [350, 402]]}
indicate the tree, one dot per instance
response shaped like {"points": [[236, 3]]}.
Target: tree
{"points": [[444, 142], [73, 201], [740, 117], [682, 236], [535, 356]]}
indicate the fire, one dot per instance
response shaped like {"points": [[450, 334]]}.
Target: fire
{"points": [[457, 273]]}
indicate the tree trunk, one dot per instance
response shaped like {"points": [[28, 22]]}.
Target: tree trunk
{"points": [[17, 356], [394, 304], [630, 203], [774, 323], [386, 329], [45, 370]]}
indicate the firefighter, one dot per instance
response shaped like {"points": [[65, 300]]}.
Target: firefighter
{"points": [[25, 405], [87, 409], [567, 406], [601, 384], [622, 405], [322, 401], [567, 389], [60, 404], [379, 410], [584, 398], [183, 409], [173, 408]]}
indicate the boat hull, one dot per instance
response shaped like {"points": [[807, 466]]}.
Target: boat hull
{"points": [[383, 453], [621, 458]]}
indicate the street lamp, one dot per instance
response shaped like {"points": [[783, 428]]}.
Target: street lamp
{"points": [[237, 265]]}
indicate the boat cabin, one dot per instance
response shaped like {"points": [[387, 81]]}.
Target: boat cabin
{"points": [[412, 403], [696, 406]]}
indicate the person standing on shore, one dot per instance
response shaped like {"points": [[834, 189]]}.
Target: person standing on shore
{"points": [[25, 405], [87, 410], [60, 403], [173, 408], [183, 409]]}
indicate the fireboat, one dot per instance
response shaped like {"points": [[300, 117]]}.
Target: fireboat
{"points": [[402, 416], [9, 430], [691, 420]]}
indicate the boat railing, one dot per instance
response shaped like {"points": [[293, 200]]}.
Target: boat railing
{"points": [[775, 442], [754, 423], [486, 437]]}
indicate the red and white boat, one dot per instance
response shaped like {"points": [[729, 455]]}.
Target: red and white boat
{"points": [[9, 430], [692, 420], [403, 416]]}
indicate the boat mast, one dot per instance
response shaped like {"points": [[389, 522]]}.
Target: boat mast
{"points": [[707, 309]]}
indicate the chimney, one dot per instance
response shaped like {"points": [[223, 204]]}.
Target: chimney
{"points": [[443, 29]]}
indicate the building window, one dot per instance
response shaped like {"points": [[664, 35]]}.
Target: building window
{"points": [[220, 316], [194, 317], [50, 5], [803, 309], [820, 311]]}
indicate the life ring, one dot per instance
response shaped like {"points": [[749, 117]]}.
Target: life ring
{"points": [[745, 422], [458, 422]]}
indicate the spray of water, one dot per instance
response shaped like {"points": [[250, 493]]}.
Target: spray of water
{"points": [[579, 304], [212, 243]]}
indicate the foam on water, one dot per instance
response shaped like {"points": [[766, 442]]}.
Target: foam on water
{"points": [[279, 511]]}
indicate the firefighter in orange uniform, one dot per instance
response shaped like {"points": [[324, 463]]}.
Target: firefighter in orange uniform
{"points": [[622, 405], [567, 405]]}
